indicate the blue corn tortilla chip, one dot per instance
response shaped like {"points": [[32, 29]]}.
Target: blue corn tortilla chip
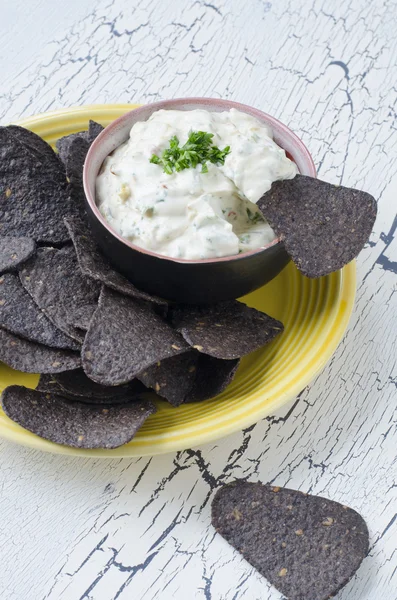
{"points": [[308, 547], [323, 226], [30, 357], [94, 265], [63, 144], [48, 385], [32, 201], [74, 162], [77, 383], [72, 151], [213, 375], [53, 279], [225, 330], [189, 377], [94, 129], [75, 424], [54, 169], [82, 316], [172, 378], [14, 251], [20, 315], [126, 337]]}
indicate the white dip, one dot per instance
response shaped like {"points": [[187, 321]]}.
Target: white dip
{"points": [[190, 214]]}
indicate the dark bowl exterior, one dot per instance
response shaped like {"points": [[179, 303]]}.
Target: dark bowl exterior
{"points": [[201, 281], [185, 282]]}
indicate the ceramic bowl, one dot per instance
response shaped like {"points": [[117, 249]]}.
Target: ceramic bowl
{"points": [[192, 281]]}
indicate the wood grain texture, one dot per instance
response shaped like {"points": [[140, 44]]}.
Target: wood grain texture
{"points": [[75, 529]]}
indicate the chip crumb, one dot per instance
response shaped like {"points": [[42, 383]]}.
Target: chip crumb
{"points": [[328, 521], [237, 514], [283, 545], [197, 347], [289, 506], [299, 532], [175, 347], [8, 192], [80, 438], [56, 364], [282, 572], [157, 387], [276, 489], [88, 354], [192, 369]]}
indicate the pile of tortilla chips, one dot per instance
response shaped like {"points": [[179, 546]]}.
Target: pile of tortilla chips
{"points": [[99, 343]]}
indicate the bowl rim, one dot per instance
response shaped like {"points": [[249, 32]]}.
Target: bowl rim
{"points": [[170, 105]]}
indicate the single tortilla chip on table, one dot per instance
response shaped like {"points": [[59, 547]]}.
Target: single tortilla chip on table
{"points": [[323, 226], [308, 547], [20, 315], [94, 265], [126, 337], [30, 357], [225, 330], [53, 279], [32, 202], [14, 251], [75, 424]]}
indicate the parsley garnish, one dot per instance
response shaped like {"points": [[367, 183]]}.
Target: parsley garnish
{"points": [[253, 217], [197, 150]]}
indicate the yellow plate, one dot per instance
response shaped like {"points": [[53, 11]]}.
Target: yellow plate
{"points": [[315, 314]]}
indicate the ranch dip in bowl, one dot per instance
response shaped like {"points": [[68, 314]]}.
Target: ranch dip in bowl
{"points": [[179, 209], [171, 191]]}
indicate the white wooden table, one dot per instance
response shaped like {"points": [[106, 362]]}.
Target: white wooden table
{"points": [[75, 529]]}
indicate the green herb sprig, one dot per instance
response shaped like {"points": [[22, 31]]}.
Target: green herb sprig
{"points": [[197, 150], [254, 217]]}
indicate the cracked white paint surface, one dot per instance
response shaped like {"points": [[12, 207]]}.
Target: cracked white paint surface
{"points": [[75, 529]]}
